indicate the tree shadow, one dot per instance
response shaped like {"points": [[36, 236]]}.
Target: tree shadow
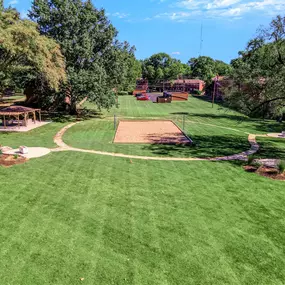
{"points": [[236, 118], [64, 117], [256, 124], [270, 148], [202, 147], [180, 113]]}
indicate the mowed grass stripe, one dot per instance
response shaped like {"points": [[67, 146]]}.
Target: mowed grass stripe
{"points": [[119, 221], [149, 222], [23, 232], [209, 141]]}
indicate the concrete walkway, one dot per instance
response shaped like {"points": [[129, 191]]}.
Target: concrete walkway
{"points": [[62, 146], [33, 152]]}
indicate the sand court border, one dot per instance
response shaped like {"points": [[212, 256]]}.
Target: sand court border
{"points": [[150, 132]]}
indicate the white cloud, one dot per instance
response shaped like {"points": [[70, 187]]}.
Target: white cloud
{"points": [[13, 2], [176, 53], [220, 4], [231, 9], [120, 15]]}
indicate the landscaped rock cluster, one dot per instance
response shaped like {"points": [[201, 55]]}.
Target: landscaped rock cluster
{"points": [[8, 160], [266, 167]]}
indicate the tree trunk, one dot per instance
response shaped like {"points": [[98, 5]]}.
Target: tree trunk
{"points": [[73, 108]]}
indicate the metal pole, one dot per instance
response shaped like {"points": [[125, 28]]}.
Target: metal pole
{"points": [[214, 92]]}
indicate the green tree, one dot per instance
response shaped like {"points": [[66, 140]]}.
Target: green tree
{"points": [[129, 67], [205, 68], [222, 68], [162, 66], [26, 54], [94, 58], [259, 73]]}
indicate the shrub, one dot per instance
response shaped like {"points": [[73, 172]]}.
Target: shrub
{"points": [[250, 160], [16, 156], [196, 92], [281, 166]]}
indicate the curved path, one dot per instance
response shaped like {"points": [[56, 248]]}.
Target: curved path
{"points": [[62, 146]]}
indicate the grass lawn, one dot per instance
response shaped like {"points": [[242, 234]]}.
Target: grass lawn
{"points": [[216, 131], [73, 215], [14, 98], [42, 136], [110, 220], [270, 147], [8, 100], [209, 141]]}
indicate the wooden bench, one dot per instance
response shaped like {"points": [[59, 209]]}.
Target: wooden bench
{"points": [[179, 96]]}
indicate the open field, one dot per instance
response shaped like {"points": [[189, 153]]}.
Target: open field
{"points": [[110, 220], [215, 131]]}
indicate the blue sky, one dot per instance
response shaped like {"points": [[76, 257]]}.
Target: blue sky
{"points": [[174, 26]]}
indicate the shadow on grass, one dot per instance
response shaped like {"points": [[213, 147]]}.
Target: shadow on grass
{"points": [[63, 117], [257, 124], [208, 99], [203, 147], [180, 113], [270, 148]]}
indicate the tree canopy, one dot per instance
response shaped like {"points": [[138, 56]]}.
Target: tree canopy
{"points": [[96, 61], [205, 68], [259, 73], [162, 66], [24, 50]]}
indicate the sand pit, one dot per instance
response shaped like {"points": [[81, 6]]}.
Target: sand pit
{"points": [[150, 132]]}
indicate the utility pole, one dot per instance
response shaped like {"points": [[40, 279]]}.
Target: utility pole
{"points": [[215, 90]]}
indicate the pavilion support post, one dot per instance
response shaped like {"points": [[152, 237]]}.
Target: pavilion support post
{"points": [[34, 117], [40, 115], [26, 120], [19, 121], [4, 117]]}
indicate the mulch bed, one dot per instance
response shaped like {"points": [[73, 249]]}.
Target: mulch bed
{"points": [[269, 172], [8, 160]]}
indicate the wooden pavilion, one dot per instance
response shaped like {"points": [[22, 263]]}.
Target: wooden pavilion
{"points": [[20, 113]]}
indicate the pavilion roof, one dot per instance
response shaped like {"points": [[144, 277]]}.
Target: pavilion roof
{"points": [[17, 110]]}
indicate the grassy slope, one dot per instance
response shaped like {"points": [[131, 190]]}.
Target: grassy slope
{"points": [[115, 222], [71, 215], [210, 141], [199, 111], [216, 131]]}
